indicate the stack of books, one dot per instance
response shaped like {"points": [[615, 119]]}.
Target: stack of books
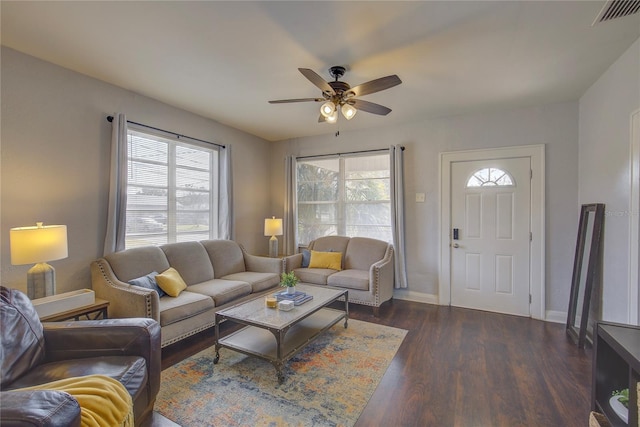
{"points": [[298, 297]]}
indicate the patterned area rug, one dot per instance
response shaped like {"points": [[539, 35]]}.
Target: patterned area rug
{"points": [[327, 384]]}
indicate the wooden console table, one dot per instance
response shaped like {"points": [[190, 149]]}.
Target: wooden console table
{"points": [[93, 311], [616, 366]]}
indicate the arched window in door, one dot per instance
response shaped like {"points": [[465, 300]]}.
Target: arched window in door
{"points": [[490, 177]]}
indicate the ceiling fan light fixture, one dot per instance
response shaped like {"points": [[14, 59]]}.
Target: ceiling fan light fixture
{"points": [[348, 111], [339, 95], [327, 109]]}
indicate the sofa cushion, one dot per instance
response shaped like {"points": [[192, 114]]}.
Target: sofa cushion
{"points": [[226, 257], [258, 281], [331, 260], [363, 252], [317, 276], [22, 336], [148, 282], [171, 282], [191, 260], [330, 244], [350, 279], [186, 305], [131, 371], [137, 262], [222, 291]]}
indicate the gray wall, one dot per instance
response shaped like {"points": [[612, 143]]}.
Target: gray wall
{"points": [[556, 126], [605, 138], [55, 145], [55, 161]]}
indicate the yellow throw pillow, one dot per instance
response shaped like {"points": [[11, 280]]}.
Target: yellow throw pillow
{"points": [[332, 260], [171, 282]]}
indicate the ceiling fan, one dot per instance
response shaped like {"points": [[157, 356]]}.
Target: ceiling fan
{"points": [[339, 95]]}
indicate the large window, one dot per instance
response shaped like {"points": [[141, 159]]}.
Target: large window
{"points": [[171, 191], [347, 196]]}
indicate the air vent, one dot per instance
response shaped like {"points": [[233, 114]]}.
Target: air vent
{"points": [[614, 9]]}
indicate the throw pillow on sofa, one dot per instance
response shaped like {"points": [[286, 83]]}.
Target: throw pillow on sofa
{"points": [[306, 258], [171, 282], [332, 260], [148, 282]]}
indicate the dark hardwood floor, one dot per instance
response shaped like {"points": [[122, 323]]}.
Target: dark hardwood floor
{"points": [[459, 367]]}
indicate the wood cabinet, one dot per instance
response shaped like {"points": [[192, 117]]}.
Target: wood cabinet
{"points": [[616, 366]]}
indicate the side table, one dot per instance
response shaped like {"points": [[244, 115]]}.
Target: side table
{"points": [[616, 366], [93, 311]]}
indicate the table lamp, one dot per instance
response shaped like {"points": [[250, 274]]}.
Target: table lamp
{"points": [[273, 228], [38, 245]]}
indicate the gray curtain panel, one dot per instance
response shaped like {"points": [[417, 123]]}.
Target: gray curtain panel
{"points": [[396, 155], [116, 215]]}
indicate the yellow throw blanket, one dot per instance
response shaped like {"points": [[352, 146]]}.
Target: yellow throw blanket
{"points": [[103, 400]]}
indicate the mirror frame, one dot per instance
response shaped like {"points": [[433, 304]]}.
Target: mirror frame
{"points": [[592, 257]]}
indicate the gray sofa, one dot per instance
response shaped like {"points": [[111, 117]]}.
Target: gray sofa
{"points": [[218, 273], [367, 268]]}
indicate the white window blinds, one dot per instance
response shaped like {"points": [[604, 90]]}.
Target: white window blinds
{"points": [[171, 190]]}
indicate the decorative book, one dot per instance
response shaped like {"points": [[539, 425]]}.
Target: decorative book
{"points": [[284, 295], [298, 297], [303, 300]]}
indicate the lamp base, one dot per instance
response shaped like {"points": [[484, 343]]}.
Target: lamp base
{"points": [[273, 247], [41, 281]]}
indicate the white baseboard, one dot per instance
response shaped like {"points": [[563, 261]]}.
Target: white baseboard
{"points": [[407, 295], [556, 316]]}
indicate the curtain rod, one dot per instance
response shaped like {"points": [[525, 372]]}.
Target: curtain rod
{"points": [[177, 135], [349, 152]]}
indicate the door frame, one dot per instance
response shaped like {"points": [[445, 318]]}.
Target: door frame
{"points": [[634, 220], [537, 220]]}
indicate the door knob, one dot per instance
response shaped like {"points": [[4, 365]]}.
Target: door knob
{"points": [[455, 245]]}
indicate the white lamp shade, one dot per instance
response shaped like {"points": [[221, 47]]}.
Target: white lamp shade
{"points": [[273, 226], [348, 111], [37, 244], [327, 108], [333, 117]]}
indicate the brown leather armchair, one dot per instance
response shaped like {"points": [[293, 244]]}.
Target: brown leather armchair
{"points": [[34, 353]]}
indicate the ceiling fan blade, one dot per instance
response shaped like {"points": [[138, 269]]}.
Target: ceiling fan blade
{"points": [[376, 85], [314, 78], [285, 101], [370, 107], [322, 119]]}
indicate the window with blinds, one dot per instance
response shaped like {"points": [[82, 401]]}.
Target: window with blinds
{"points": [[346, 196], [171, 190]]}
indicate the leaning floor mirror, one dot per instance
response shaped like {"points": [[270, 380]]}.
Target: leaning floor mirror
{"points": [[586, 274]]}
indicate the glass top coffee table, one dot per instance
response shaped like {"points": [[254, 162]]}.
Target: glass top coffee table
{"points": [[276, 335]]}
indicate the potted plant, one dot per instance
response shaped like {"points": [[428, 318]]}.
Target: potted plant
{"points": [[289, 281]]}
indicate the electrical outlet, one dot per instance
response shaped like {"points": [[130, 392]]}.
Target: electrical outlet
{"points": [[420, 197]]}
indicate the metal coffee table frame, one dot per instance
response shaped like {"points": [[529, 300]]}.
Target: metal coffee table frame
{"points": [[292, 330]]}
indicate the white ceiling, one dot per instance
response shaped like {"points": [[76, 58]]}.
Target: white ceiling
{"points": [[225, 60]]}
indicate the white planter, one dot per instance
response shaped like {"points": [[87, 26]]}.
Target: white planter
{"points": [[291, 290], [619, 408]]}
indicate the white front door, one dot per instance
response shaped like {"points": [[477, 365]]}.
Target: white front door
{"points": [[490, 235]]}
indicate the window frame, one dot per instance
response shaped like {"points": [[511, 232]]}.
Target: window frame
{"points": [[341, 203], [171, 234], [490, 182]]}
